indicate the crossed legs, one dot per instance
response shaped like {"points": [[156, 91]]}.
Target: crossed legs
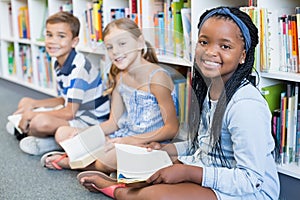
{"points": [[98, 183]]}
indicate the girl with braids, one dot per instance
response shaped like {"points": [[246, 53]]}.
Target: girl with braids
{"points": [[142, 98], [230, 151]]}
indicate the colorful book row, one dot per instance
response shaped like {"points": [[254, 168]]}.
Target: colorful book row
{"points": [[283, 100]]}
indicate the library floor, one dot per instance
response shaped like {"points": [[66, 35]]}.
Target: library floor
{"points": [[21, 175]]}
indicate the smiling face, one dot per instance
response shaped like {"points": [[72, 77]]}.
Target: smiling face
{"points": [[59, 41], [124, 50], [220, 48]]}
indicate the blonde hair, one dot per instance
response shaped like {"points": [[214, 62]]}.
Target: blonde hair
{"points": [[130, 26]]}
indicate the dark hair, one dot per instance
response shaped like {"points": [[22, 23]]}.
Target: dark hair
{"points": [[68, 18], [200, 86], [130, 26]]}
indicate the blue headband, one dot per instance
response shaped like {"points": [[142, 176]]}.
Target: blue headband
{"points": [[244, 29]]}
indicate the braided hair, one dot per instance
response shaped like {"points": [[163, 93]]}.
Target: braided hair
{"points": [[200, 86]]}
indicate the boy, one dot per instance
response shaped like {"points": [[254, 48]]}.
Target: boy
{"points": [[79, 85]]}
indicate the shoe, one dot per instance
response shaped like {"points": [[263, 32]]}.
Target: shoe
{"points": [[54, 162], [10, 128], [38, 146]]}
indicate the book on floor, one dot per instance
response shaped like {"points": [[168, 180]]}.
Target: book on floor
{"points": [[86, 147], [137, 164]]}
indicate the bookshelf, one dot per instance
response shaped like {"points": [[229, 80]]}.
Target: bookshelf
{"points": [[11, 42], [30, 36]]}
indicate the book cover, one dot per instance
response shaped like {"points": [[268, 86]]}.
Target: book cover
{"points": [[272, 95], [86, 147], [137, 164]]}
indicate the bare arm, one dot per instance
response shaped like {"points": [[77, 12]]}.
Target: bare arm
{"points": [[161, 88], [27, 103], [117, 109]]}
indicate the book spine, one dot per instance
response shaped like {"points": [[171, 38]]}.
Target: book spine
{"points": [[161, 28], [283, 126], [294, 44], [96, 20], [295, 120], [10, 56], [290, 43], [290, 130], [298, 34]]}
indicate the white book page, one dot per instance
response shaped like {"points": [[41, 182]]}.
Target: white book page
{"points": [[85, 143], [137, 162]]}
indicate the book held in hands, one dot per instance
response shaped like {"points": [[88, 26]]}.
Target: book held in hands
{"points": [[86, 147], [137, 164]]}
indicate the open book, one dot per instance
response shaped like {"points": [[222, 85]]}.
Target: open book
{"points": [[137, 164], [16, 118], [85, 147]]}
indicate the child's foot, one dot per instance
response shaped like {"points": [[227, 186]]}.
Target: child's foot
{"points": [[55, 160], [38, 146], [96, 181]]}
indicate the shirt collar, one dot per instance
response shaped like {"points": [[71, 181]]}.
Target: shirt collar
{"points": [[67, 67]]}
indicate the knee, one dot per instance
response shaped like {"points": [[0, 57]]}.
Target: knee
{"points": [[63, 133], [39, 124]]}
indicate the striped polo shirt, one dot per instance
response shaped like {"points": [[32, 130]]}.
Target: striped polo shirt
{"points": [[80, 82]]}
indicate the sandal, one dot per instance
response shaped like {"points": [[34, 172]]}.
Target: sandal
{"points": [[54, 162], [109, 191]]}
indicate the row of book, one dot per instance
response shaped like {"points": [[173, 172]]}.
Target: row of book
{"points": [[283, 30], [169, 21], [43, 63], [283, 100], [45, 69], [183, 91], [92, 22], [289, 32], [25, 63]]}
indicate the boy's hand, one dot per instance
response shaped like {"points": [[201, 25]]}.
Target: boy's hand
{"points": [[24, 105], [25, 120]]}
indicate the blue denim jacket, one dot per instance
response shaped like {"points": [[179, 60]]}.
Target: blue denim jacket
{"points": [[247, 143]]}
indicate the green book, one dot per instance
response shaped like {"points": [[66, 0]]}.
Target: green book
{"points": [[272, 95]]}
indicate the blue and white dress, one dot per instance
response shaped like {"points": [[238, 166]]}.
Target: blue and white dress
{"points": [[142, 112]]}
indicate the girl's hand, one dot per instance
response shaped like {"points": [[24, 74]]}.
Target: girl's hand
{"points": [[153, 146], [172, 174], [125, 140]]}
